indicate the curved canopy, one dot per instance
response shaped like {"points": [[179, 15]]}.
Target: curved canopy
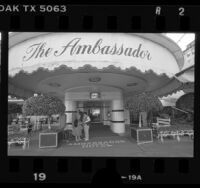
{"points": [[55, 62]]}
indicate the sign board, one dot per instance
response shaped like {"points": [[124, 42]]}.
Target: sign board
{"points": [[95, 95], [100, 50]]}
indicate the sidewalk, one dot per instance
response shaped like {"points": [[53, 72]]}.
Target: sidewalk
{"points": [[109, 145]]}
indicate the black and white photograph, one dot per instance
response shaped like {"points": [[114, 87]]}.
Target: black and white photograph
{"points": [[0, 57], [101, 94]]}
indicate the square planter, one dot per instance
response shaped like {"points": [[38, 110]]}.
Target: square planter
{"points": [[50, 139], [142, 135]]}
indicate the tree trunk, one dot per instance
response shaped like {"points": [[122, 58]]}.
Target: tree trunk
{"points": [[150, 117], [49, 122], [140, 125], [36, 122], [144, 118]]}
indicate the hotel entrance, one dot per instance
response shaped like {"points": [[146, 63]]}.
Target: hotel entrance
{"points": [[95, 115], [105, 107], [113, 77], [94, 110], [99, 111]]}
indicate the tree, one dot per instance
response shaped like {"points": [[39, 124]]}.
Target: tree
{"points": [[14, 108], [186, 102], [144, 104], [43, 105]]}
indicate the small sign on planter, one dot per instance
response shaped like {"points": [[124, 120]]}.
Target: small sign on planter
{"points": [[142, 135], [50, 139]]}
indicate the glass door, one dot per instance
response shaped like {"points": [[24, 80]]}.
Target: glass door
{"points": [[94, 110], [95, 115]]}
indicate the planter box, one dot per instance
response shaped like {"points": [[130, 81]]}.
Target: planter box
{"points": [[50, 139], [142, 135]]}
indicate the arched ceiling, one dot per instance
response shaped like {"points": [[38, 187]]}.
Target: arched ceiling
{"points": [[130, 81]]}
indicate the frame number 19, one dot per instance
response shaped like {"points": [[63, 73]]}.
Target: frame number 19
{"points": [[39, 176]]}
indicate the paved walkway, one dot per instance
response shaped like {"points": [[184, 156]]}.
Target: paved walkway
{"points": [[105, 143]]}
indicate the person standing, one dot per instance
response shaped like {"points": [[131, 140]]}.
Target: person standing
{"points": [[76, 130], [80, 121], [86, 121]]}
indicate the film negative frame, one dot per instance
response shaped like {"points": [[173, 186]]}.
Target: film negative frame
{"points": [[101, 18]]}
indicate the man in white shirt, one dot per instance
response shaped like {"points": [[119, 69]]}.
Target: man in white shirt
{"points": [[86, 120]]}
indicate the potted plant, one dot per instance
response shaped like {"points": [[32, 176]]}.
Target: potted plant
{"points": [[46, 106], [143, 105], [43, 105]]}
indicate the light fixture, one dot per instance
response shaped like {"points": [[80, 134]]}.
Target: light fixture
{"points": [[94, 95], [131, 84], [54, 84], [95, 79]]}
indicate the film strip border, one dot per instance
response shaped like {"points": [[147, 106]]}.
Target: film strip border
{"points": [[96, 170], [105, 18], [130, 170]]}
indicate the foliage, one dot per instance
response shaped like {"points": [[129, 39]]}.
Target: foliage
{"points": [[176, 115], [173, 113], [14, 108], [43, 105], [186, 102], [167, 110], [143, 102]]}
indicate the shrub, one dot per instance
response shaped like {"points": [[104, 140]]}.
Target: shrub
{"points": [[43, 105], [14, 108], [143, 102], [186, 102]]}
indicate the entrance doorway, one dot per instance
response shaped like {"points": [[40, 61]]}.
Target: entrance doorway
{"points": [[97, 110], [95, 115], [94, 110]]}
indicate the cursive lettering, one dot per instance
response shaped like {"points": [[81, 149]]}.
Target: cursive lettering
{"points": [[37, 50], [75, 47]]}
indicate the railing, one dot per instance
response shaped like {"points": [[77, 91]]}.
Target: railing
{"points": [[181, 110]]}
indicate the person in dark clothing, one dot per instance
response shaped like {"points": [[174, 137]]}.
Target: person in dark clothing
{"points": [[81, 116], [29, 128], [75, 122], [77, 130]]}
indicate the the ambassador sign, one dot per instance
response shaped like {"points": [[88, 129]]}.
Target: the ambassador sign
{"points": [[100, 50], [75, 47]]}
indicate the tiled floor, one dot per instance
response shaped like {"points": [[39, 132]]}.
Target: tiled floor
{"points": [[105, 143]]}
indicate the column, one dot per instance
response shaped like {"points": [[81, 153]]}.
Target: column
{"points": [[70, 111], [106, 110], [127, 116], [104, 116], [62, 120], [118, 123]]}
